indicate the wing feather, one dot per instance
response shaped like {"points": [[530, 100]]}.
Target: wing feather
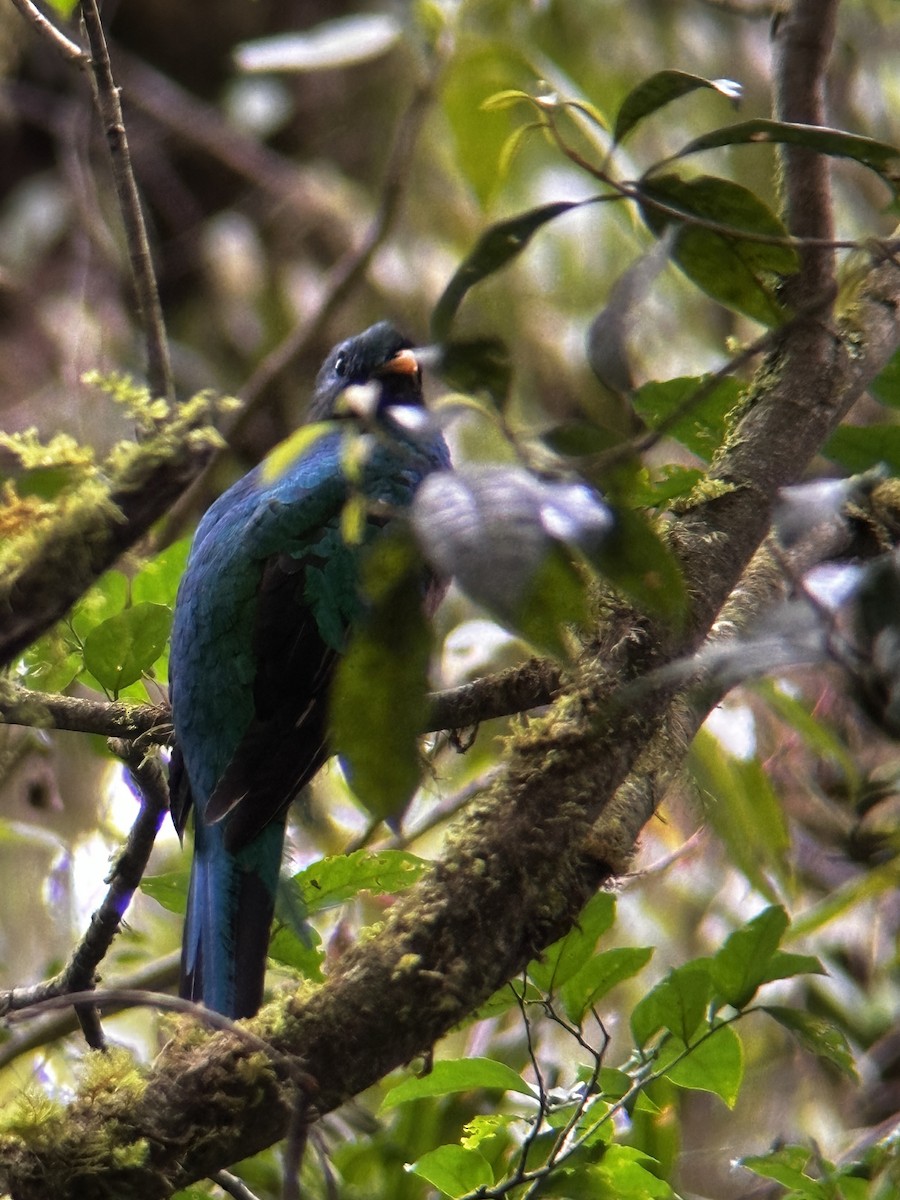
{"points": [[285, 743]]}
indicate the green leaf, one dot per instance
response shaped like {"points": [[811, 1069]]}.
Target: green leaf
{"points": [[743, 809], [170, 889], [504, 535], [739, 966], [700, 425], [333, 881], [561, 961], [378, 694], [65, 8], [867, 887], [485, 1126], [784, 965], [786, 1166], [477, 366], [508, 98], [107, 598], [495, 249], [859, 447], [599, 975], [880, 157], [614, 1084], [715, 1064], [661, 89], [886, 384], [454, 1170], [52, 662], [306, 955], [124, 647], [677, 1003], [737, 271], [620, 1175], [158, 579], [818, 1036], [557, 597], [673, 483], [475, 75], [636, 560], [510, 149], [448, 1076]]}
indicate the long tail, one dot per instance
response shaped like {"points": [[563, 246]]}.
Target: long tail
{"points": [[229, 914]]}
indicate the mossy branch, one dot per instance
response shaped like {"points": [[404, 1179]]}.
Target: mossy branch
{"points": [[48, 562], [519, 866]]}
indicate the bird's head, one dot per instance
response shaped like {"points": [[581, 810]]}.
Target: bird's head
{"points": [[380, 356]]}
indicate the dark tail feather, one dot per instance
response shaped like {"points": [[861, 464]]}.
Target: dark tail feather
{"points": [[229, 915]]}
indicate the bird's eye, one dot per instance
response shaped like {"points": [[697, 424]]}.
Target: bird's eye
{"points": [[341, 364]]}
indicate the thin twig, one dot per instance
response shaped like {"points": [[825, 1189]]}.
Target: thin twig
{"points": [[156, 976], [107, 99], [513, 690], [121, 998], [233, 1186], [534, 1128], [79, 973], [294, 1149], [45, 27]]}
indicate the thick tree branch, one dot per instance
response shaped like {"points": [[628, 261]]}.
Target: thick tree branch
{"points": [[62, 557], [515, 875], [803, 40]]}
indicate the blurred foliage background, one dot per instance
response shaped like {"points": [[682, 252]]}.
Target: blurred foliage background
{"points": [[263, 189]]}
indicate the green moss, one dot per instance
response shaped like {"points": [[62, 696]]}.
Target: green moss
{"points": [[113, 1073], [31, 1118], [65, 538]]}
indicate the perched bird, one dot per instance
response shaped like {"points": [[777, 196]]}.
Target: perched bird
{"points": [[263, 611]]}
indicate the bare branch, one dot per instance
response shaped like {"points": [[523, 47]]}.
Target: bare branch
{"points": [[45, 27], [106, 95], [154, 977], [803, 39], [233, 1186], [109, 718]]}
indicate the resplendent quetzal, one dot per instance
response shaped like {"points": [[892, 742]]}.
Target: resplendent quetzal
{"points": [[263, 611]]}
